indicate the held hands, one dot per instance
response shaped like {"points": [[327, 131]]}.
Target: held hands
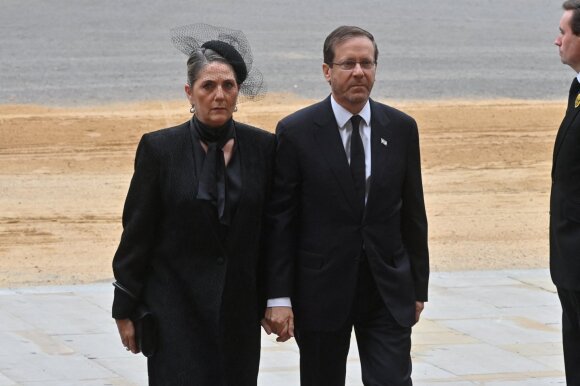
{"points": [[127, 333], [279, 320]]}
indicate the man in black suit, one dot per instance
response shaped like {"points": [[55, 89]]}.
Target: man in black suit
{"points": [[347, 243], [565, 198]]}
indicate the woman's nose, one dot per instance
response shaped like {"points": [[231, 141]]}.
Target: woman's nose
{"points": [[219, 93]]}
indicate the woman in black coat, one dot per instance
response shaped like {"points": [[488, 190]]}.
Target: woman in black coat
{"points": [[189, 252]]}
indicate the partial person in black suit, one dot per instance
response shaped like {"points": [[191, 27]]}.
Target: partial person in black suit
{"points": [[565, 198], [192, 223], [347, 229]]}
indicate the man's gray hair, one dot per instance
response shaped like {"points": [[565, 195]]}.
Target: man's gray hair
{"points": [[341, 34]]}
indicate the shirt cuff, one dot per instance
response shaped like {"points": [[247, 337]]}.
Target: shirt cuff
{"points": [[279, 302]]}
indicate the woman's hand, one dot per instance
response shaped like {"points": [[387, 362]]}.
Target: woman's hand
{"points": [[280, 320], [419, 306], [127, 333]]}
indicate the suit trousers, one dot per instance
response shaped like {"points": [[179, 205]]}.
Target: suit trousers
{"points": [[570, 301], [384, 346]]}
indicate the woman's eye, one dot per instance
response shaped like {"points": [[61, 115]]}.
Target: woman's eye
{"points": [[229, 85]]}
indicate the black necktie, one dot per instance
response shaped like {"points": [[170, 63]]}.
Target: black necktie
{"points": [[357, 162]]}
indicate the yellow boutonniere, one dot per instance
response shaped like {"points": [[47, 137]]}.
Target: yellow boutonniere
{"points": [[577, 103]]}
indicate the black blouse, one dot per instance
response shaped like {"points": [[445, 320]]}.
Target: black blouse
{"points": [[233, 173]]}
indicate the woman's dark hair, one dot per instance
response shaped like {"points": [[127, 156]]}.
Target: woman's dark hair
{"points": [[573, 5], [199, 59], [341, 34]]}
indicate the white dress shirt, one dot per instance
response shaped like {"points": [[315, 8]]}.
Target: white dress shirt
{"points": [[343, 116]]}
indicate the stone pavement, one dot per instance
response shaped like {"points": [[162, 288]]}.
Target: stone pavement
{"points": [[479, 328]]}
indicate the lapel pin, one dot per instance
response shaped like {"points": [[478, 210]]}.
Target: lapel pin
{"points": [[577, 103], [383, 142]]}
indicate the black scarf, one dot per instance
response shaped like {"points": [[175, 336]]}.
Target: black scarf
{"points": [[213, 179]]}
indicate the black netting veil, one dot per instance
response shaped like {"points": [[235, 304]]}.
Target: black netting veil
{"points": [[232, 45]]}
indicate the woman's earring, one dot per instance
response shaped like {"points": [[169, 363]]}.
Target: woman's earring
{"points": [[192, 109], [235, 108]]}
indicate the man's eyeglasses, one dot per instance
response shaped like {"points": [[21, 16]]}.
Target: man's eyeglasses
{"points": [[351, 64]]}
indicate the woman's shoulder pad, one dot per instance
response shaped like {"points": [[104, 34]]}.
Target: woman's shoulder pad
{"points": [[169, 131], [252, 130]]}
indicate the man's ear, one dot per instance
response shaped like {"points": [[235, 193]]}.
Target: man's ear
{"points": [[326, 69]]}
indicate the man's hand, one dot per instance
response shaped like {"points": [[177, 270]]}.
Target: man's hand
{"points": [[419, 306], [266, 326], [127, 333], [280, 320]]}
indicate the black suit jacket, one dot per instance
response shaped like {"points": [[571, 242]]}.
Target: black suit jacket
{"points": [[565, 201], [203, 290], [315, 236]]}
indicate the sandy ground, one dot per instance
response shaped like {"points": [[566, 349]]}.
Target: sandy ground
{"points": [[64, 174]]}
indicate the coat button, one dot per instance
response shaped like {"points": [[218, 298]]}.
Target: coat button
{"points": [[220, 260]]}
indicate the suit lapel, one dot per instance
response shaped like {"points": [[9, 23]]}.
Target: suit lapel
{"points": [[381, 140], [571, 112], [562, 131], [195, 148], [330, 144]]}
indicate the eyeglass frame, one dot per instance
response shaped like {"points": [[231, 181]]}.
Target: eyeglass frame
{"points": [[364, 65]]}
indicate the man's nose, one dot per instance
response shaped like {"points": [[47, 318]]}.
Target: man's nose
{"points": [[357, 70]]}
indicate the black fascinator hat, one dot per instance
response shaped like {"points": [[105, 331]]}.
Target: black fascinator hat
{"points": [[231, 44], [231, 55]]}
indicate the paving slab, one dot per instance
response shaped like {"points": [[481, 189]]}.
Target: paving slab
{"points": [[479, 328]]}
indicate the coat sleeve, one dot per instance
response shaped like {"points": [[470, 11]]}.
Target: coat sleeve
{"points": [[140, 219], [414, 218], [281, 214]]}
